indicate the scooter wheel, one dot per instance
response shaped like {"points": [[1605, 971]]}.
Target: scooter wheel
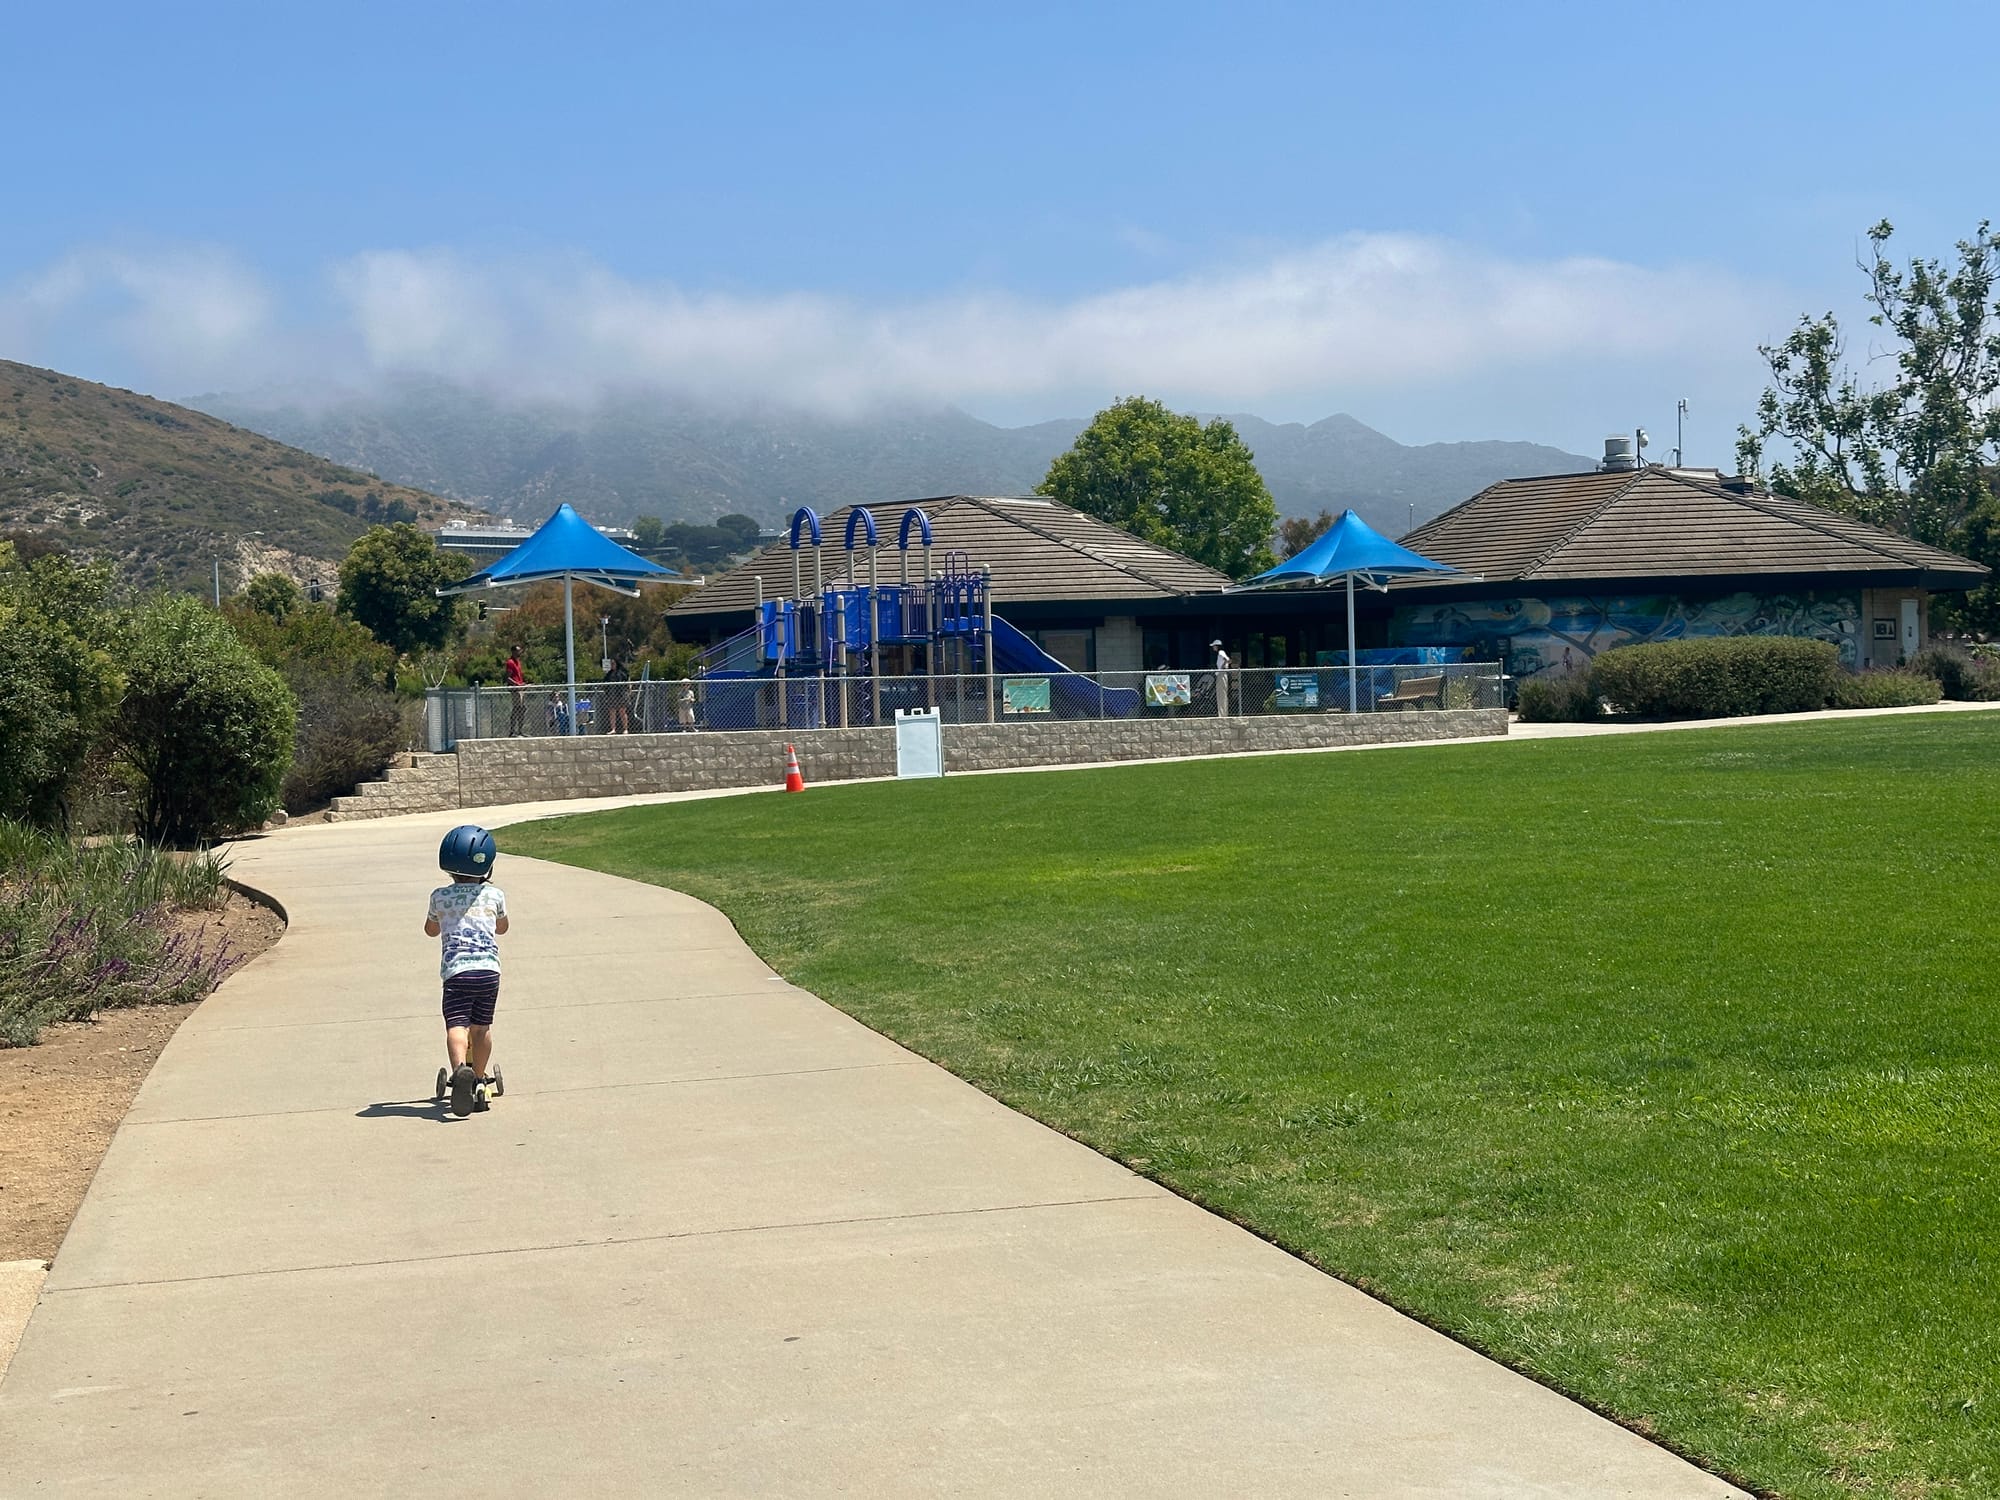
{"points": [[499, 1084], [444, 1082]]}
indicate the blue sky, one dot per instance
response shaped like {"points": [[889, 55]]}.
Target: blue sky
{"points": [[1531, 221]]}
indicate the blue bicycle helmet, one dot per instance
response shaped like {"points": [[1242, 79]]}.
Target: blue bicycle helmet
{"points": [[468, 850]]}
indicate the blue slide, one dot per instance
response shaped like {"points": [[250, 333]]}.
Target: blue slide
{"points": [[1071, 695]]}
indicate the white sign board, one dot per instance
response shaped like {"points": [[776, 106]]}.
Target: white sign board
{"points": [[919, 743]]}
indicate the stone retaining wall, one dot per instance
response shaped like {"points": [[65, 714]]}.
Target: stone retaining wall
{"points": [[490, 772]]}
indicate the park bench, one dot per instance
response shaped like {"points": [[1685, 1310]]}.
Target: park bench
{"points": [[1415, 690]]}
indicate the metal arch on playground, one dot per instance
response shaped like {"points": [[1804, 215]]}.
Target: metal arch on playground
{"points": [[842, 651]]}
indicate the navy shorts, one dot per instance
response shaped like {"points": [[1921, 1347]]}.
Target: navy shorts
{"points": [[469, 998]]}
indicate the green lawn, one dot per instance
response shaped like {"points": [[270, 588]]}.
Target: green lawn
{"points": [[1660, 1066]]}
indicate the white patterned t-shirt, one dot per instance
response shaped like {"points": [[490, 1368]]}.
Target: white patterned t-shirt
{"points": [[468, 914]]}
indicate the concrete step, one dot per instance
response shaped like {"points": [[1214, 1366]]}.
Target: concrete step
{"points": [[419, 782]]}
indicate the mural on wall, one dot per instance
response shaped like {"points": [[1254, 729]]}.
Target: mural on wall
{"points": [[1562, 634]]}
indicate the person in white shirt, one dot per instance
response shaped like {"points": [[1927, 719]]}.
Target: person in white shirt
{"points": [[1221, 677], [469, 916]]}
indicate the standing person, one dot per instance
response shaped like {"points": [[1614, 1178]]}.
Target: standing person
{"points": [[1221, 677], [517, 680], [684, 706], [469, 915], [617, 705]]}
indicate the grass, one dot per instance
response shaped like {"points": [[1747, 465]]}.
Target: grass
{"points": [[1662, 1067], [85, 928]]}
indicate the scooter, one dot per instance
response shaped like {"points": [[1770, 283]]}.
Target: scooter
{"points": [[483, 1093]]}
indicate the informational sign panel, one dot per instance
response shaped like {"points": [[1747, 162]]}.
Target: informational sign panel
{"points": [[1025, 695], [919, 743], [1297, 690], [1169, 689]]}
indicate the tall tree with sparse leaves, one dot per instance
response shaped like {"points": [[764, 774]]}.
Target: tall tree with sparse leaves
{"points": [[1296, 533], [1916, 449], [1173, 480]]}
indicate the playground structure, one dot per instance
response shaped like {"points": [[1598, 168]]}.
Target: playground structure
{"points": [[853, 653]]}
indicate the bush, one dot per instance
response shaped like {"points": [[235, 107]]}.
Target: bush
{"points": [[87, 929], [207, 726], [1565, 698], [348, 732], [349, 727], [1889, 687], [59, 684], [272, 594], [1717, 676], [1969, 676]]}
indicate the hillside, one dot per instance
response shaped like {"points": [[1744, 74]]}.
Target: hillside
{"points": [[678, 460], [165, 491]]}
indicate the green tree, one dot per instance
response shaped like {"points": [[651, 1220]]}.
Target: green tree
{"points": [[1914, 452], [1171, 480], [742, 530], [59, 681], [389, 582], [207, 726], [272, 594], [1296, 533], [650, 532]]}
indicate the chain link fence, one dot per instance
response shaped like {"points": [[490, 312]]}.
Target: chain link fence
{"points": [[692, 705]]}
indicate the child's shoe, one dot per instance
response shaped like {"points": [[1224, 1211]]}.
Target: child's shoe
{"points": [[464, 1084]]}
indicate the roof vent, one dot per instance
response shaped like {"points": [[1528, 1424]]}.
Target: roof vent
{"points": [[1618, 455]]}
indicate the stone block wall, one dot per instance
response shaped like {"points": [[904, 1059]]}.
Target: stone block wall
{"points": [[534, 770], [990, 747], [492, 772]]}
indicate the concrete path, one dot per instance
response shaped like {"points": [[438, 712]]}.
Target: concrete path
{"points": [[718, 1239]]}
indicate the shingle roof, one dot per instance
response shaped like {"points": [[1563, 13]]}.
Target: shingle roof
{"points": [[1664, 523], [1039, 550]]}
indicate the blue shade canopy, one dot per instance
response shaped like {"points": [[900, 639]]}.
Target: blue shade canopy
{"points": [[1351, 549], [566, 544]]}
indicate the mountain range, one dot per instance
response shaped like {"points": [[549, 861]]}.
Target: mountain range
{"points": [[634, 455]]}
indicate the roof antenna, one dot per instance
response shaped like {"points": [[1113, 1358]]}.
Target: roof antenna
{"points": [[1639, 448], [1680, 416]]}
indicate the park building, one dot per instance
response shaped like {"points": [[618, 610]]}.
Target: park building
{"points": [[1561, 567]]}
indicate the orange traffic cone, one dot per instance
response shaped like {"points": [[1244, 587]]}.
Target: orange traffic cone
{"points": [[794, 782]]}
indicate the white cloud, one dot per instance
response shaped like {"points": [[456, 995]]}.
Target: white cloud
{"points": [[1361, 313], [1361, 310], [195, 311]]}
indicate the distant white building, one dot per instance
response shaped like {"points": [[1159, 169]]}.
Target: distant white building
{"points": [[505, 535]]}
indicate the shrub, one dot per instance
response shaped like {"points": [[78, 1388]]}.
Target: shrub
{"points": [[1888, 687], [1969, 676], [348, 732], [59, 683], [1562, 698], [272, 594], [349, 728], [207, 726], [86, 929], [1717, 676]]}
